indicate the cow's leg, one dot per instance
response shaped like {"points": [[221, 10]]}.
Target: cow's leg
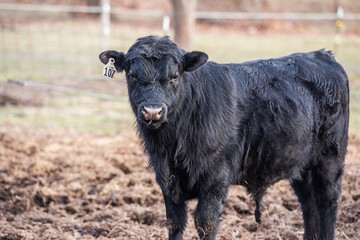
{"points": [[176, 216], [327, 188], [305, 194], [208, 210]]}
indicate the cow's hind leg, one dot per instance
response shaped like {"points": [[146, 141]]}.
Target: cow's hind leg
{"points": [[327, 188], [305, 194]]}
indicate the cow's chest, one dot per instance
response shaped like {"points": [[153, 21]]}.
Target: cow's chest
{"points": [[178, 186]]}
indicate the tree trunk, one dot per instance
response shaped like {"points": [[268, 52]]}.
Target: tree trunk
{"points": [[184, 22]]}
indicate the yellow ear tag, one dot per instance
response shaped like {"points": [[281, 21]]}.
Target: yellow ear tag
{"points": [[109, 69]]}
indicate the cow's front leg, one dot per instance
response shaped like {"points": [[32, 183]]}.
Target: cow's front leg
{"points": [[176, 217], [208, 210]]}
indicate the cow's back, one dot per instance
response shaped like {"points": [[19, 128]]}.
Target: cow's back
{"points": [[317, 72]]}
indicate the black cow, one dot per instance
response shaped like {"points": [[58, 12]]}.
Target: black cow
{"points": [[207, 126]]}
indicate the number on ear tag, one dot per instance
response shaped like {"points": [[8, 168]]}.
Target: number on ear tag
{"points": [[109, 69]]}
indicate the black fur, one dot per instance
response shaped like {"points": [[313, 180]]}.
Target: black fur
{"points": [[253, 124]]}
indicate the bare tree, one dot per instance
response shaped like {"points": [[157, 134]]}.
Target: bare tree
{"points": [[184, 22]]}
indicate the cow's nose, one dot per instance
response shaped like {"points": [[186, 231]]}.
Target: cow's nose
{"points": [[152, 113]]}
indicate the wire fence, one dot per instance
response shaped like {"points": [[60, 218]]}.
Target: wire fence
{"points": [[46, 42], [49, 42]]}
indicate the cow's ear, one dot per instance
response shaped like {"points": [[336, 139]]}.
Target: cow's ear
{"points": [[119, 58], [194, 60]]}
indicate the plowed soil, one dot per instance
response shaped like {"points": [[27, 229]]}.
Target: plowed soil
{"points": [[74, 186]]}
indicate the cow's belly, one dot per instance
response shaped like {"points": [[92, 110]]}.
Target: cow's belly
{"points": [[277, 154]]}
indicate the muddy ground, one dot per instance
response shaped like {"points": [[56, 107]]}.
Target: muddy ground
{"points": [[91, 186], [71, 185]]}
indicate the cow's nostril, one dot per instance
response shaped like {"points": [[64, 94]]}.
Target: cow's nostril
{"points": [[152, 114]]}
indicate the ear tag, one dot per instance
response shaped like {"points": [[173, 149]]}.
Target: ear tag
{"points": [[109, 69]]}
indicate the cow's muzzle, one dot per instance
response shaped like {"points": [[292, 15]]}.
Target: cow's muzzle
{"points": [[152, 115]]}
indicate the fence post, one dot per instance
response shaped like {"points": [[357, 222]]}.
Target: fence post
{"points": [[166, 24], [105, 23], [339, 26]]}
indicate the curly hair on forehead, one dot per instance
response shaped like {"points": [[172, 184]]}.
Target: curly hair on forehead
{"points": [[155, 47]]}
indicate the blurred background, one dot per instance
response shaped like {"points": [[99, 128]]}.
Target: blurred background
{"points": [[71, 165], [53, 45]]}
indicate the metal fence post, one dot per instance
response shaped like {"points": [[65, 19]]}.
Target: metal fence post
{"points": [[105, 23]]}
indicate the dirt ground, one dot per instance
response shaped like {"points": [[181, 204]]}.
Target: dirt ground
{"points": [[87, 186]]}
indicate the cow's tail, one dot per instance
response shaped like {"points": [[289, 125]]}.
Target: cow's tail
{"points": [[257, 212]]}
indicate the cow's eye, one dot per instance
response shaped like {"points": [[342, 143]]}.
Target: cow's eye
{"points": [[174, 78]]}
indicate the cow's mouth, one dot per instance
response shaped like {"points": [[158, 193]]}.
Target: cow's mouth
{"points": [[152, 124], [148, 122]]}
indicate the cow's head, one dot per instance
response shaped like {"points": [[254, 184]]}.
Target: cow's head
{"points": [[155, 68]]}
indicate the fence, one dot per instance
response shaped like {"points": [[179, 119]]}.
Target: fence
{"points": [[46, 42]]}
